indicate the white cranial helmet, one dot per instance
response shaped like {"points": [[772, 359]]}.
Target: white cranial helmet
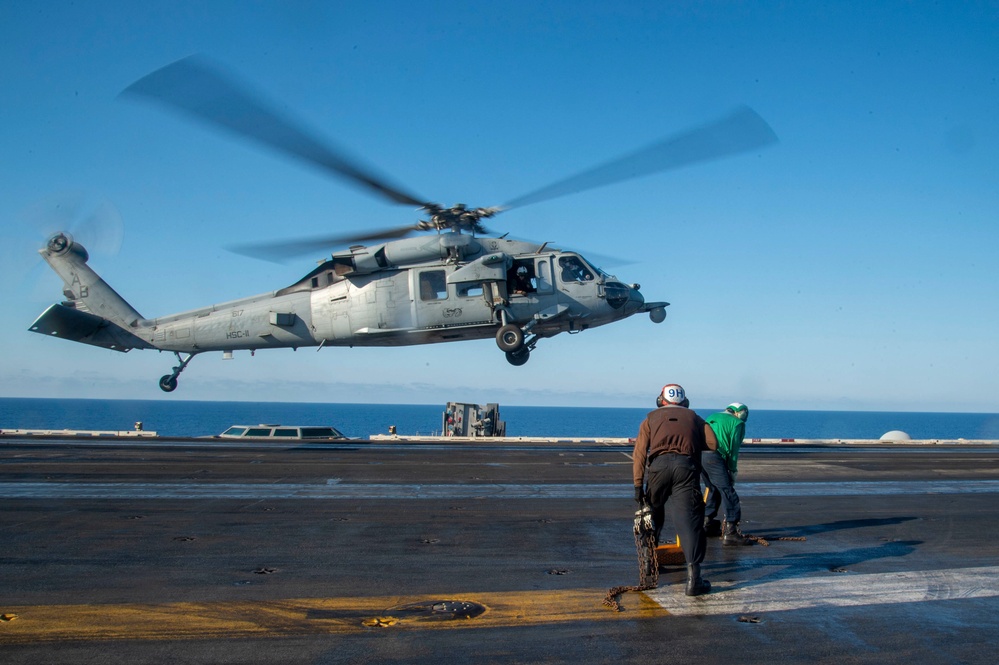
{"points": [[673, 394]]}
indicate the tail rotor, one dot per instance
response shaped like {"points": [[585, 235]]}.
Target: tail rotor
{"points": [[91, 221]]}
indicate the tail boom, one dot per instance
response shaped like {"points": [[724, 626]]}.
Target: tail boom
{"points": [[93, 313]]}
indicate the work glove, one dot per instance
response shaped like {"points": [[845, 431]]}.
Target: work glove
{"points": [[639, 494]]}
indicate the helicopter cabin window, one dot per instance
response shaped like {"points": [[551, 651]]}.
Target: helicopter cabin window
{"points": [[433, 285], [574, 270], [521, 279], [469, 290]]}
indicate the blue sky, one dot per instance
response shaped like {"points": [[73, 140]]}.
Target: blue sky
{"points": [[851, 266]]}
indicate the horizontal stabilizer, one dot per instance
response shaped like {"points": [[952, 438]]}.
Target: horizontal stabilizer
{"points": [[78, 326]]}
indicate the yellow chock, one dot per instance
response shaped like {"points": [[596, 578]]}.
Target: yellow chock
{"points": [[670, 554]]}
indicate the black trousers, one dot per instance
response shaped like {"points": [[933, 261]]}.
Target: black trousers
{"points": [[675, 479], [721, 490]]}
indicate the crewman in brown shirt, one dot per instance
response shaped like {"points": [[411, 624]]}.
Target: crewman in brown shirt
{"points": [[667, 464]]}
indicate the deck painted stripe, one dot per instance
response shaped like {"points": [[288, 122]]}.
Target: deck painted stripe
{"points": [[304, 616], [833, 590], [33, 624], [334, 489]]}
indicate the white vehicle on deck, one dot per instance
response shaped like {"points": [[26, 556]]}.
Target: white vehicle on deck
{"points": [[283, 432]]}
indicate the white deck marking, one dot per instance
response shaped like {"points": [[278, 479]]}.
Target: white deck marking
{"points": [[348, 490], [831, 590]]}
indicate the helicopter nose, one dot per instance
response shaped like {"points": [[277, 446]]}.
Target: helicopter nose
{"points": [[635, 299], [624, 297]]}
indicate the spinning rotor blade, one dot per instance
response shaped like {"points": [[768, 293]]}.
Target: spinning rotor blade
{"points": [[741, 131], [192, 85], [280, 251], [92, 221]]}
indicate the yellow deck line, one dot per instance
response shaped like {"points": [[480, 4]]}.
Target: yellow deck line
{"points": [[304, 616]]}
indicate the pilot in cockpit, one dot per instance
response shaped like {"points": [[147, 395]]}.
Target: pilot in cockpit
{"points": [[573, 270]]}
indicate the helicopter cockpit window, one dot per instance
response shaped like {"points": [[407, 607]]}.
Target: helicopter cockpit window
{"points": [[433, 285], [574, 270]]}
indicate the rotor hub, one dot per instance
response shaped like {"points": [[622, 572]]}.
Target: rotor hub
{"points": [[59, 243], [457, 218]]}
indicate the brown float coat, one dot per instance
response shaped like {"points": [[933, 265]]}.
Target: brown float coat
{"points": [[670, 429]]}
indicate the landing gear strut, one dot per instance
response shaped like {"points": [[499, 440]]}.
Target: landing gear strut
{"points": [[168, 382]]}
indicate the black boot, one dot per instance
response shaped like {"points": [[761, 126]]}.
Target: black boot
{"points": [[696, 585], [732, 535], [712, 527]]}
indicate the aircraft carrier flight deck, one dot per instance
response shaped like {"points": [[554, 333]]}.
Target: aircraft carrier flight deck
{"points": [[151, 550]]}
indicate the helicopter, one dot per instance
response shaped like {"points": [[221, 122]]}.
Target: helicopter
{"points": [[446, 278]]}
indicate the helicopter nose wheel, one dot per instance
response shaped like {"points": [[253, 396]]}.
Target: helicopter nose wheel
{"points": [[168, 382], [510, 338]]}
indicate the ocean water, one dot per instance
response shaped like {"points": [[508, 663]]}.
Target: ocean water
{"points": [[187, 418]]}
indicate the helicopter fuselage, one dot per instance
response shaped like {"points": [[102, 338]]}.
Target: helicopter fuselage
{"points": [[423, 290]]}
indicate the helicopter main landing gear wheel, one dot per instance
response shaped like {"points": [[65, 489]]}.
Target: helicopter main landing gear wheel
{"points": [[518, 357], [168, 382], [510, 338]]}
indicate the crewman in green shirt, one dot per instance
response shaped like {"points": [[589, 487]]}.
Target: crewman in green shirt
{"points": [[718, 469]]}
